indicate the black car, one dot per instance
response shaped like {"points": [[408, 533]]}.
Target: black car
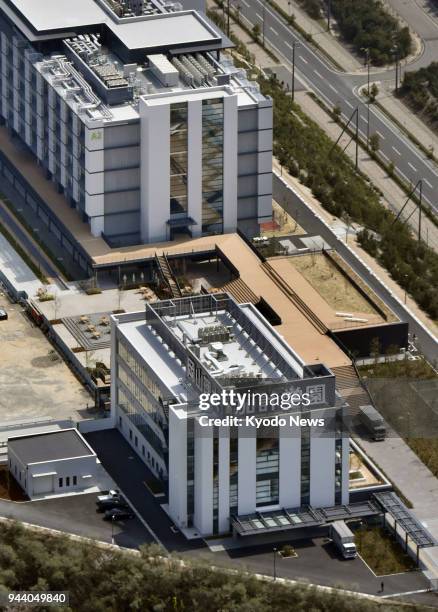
{"points": [[3, 314], [109, 504], [118, 514]]}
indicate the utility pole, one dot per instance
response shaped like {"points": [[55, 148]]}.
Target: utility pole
{"points": [[369, 98], [228, 18], [396, 50], [329, 13], [357, 138], [420, 206], [275, 563], [294, 44], [263, 24]]}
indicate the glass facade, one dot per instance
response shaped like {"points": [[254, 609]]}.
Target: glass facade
{"points": [[215, 483], [178, 159], [267, 471], [234, 463], [190, 471], [305, 463], [212, 165]]}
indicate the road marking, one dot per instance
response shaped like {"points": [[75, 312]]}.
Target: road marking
{"points": [[259, 16], [317, 73], [275, 31], [287, 44], [349, 104], [303, 60], [333, 88], [413, 167], [397, 151], [245, 3], [427, 183], [363, 118], [380, 135], [405, 593]]}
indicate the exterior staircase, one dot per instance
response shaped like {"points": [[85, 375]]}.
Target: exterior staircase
{"points": [[295, 298], [167, 275], [350, 388], [240, 291]]}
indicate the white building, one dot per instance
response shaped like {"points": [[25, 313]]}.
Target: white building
{"points": [[166, 357], [52, 463], [137, 116]]}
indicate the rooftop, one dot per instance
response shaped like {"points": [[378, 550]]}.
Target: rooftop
{"points": [[56, 17], [39, 448]]}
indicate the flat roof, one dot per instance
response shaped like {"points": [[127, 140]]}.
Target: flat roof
{"points": [[50, 446], [169, 30]]}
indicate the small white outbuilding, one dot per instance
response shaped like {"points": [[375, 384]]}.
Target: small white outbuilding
{"points": [[52, 463]]}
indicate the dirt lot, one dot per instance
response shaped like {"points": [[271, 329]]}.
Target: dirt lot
{"points": [[331, 284], [34, 381]]}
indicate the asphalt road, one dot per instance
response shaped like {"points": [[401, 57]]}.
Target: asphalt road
{"points": [[336, 88]]}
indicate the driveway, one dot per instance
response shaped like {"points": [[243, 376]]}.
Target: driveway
{"points": [[77, 514]]}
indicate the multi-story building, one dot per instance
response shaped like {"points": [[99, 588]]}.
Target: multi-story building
{"points": [[137, 116], [171, 359]]}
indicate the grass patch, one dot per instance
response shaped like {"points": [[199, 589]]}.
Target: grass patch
{"points": [[418, 370], [381, 552]]}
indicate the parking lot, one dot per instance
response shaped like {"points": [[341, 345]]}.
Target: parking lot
{"points": [[77, 514], [34, 379]]}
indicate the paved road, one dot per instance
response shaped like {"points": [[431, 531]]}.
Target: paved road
{"points": [[313, 225], [336, 88]]}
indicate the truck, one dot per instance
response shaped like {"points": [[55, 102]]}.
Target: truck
{"points": [[373, 421], [343, 539], [111, 495]]}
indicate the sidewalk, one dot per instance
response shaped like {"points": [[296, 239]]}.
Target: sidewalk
{"points": [[408, 119]]}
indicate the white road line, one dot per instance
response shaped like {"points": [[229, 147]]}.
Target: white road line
{"points": [[363, 118], [259, 17], [396, 150], [428, 183], [287, 44], [275, 31], [413, 167], [348, 103], [333, 88], [302, 59], [317, 73], [380, 135], [245, 3]]}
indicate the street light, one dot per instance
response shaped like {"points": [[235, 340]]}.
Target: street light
{"points": [[263, 23], [294, 45], [275, 563], [367, 51], [395, 50]]}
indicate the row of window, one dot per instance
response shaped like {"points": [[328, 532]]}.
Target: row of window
{"points": [[139, 370], [66, 481]]}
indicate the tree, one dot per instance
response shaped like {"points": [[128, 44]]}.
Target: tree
{"points": [[374, 142], [337, 112], [391, 168], [375, 349], [256, 32], [374, 92]]}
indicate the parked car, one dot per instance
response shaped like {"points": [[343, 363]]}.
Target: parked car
{"points": [[3, 314], [112, 494], [109, 504], [118, 514]]}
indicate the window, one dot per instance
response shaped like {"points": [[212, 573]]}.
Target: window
{"points": [[67, 481], [130, 434], [136, 441], [142, 449], [60, 483], [120, 422], [75, 480]]}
